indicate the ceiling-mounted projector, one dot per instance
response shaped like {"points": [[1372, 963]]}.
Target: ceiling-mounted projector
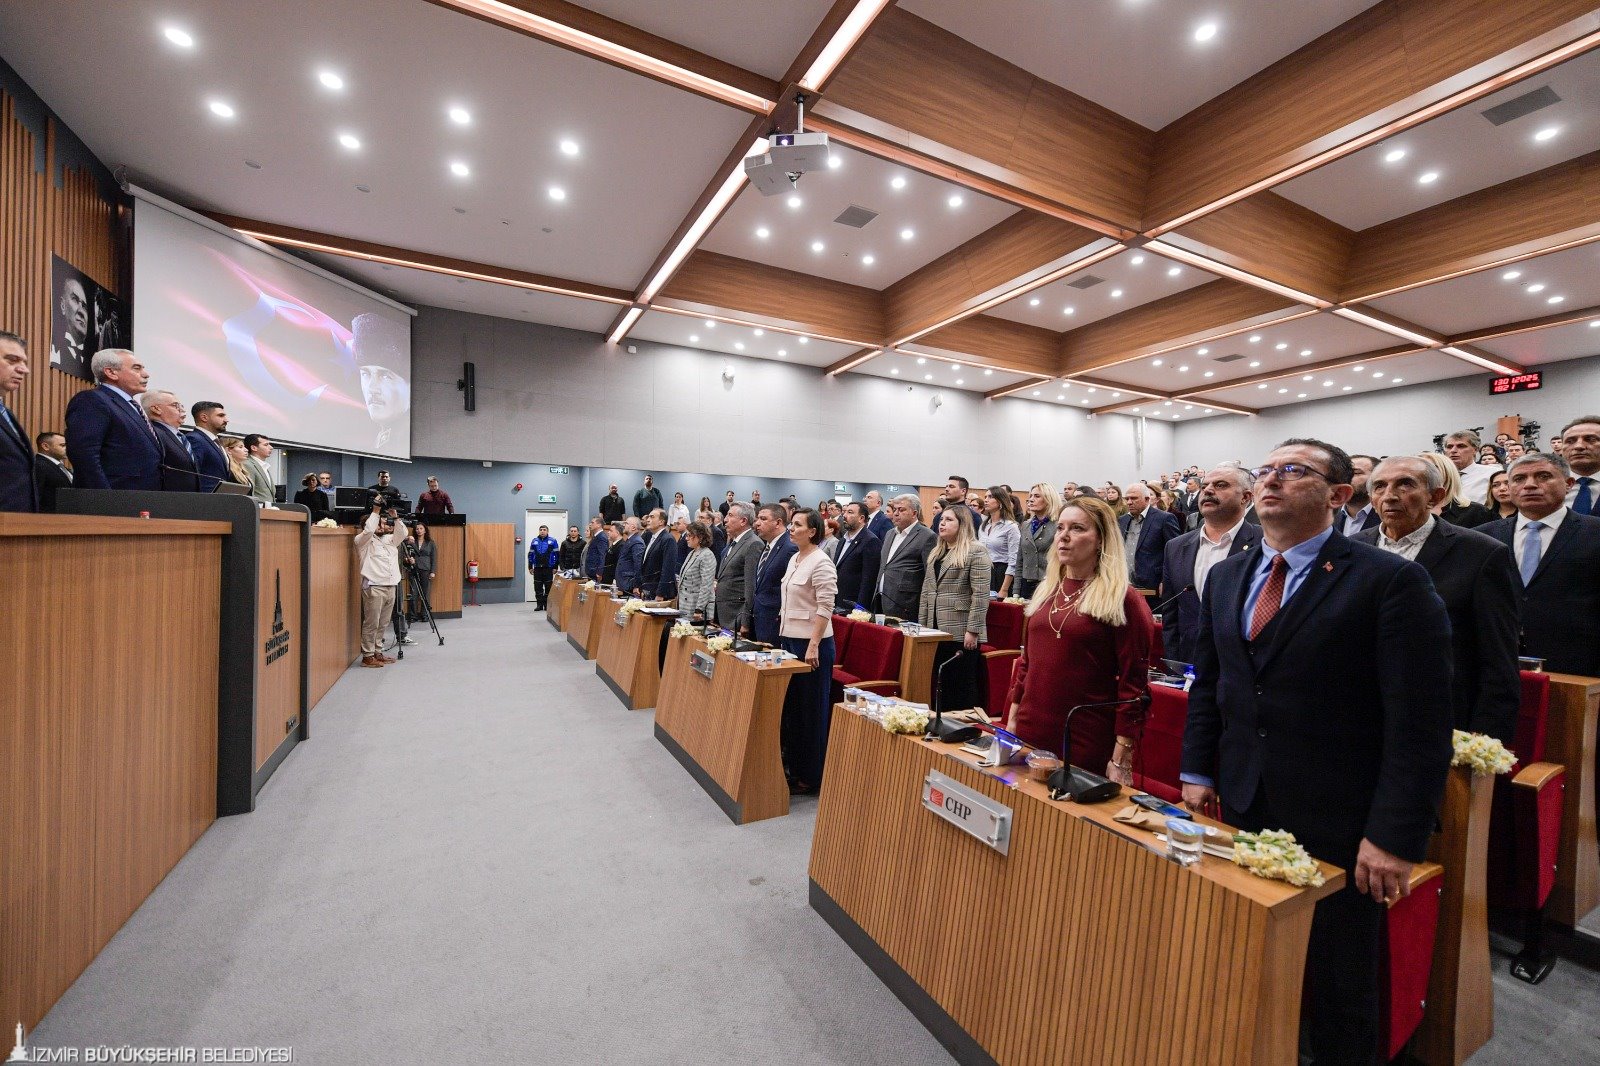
{"points": [[788, 156]]}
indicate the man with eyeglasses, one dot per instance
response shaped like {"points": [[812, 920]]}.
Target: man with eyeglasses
{"points": [[1285, 732]]}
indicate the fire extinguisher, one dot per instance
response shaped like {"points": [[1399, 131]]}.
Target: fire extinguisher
{"points": [[472, 580]]}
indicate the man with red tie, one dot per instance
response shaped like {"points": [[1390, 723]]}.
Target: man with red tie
{"points": [[1284, 733], [110, 442]]}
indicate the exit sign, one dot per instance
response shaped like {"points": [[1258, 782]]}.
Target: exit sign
{"points": [[547, 497], [1516, 383], [561, 469]]}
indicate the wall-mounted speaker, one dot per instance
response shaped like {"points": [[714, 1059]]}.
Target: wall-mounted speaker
{"points": [[468, 384]]}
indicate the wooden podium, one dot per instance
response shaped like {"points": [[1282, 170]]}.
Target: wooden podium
{"points": [[916, 664], [563, 592], [724, 728], [333, 636], [1081, 944], [588, 607], [629, 660]]}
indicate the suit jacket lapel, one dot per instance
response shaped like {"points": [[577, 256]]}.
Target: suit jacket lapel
{"points": [[1437, 546], [1558, 543], [1326, 571]]}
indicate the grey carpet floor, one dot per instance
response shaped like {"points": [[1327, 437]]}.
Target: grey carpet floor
{"points": [[480, 856]]}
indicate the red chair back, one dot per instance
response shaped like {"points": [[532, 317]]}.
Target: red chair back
{"points": [[1157, 648], [842, 628], [1004, 625], [1532, 716], [1161, 743], [874, 652]]}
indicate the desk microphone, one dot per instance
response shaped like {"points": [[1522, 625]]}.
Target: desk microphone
{"points": [[1077, 784], [1164, 604], [949, 733]]}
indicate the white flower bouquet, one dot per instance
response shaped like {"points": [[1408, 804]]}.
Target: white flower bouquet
{"points": [[683, 629], [719, 643], [1021, 601], [632, 605], [588, 585], [859, 616], [1481, 753], [1276, 855], [327, 523], [904, 718]]}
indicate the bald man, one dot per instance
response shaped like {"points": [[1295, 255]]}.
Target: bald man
{"points": [[1146, 529]]}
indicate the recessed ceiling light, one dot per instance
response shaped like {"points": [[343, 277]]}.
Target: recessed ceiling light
{"points": [[1396, 381], [556, 192], [459, 169], [1511, 275], [1168, 403], [350, 141], [1300, 395], [569, 147], [1210, 374], [1255, 364], [1188, 407], [1173, 272], [1555, 299], [1069, 310], [894, 370], [1204, 351], [760, 333], [1345, 389], [1155, 362], [1256, 339], [1116, 395], [907, 234], [739, 345], [220, 109], [1136, 260], [181, 38], [1283, 392], [960, 382], [1327, 384], [927, 377], [763, 233], [1183, 369], [694, 338], [1205, 31], [783, 353], [1061, 396], [1116, 294], [1548, 133], [955, 201], [1261, 386], [1307, 377], [1033, 302], [990, 373], [330, 80], [955, 366], [835, 162], [868, 260], [1280, 346], [1394, 155], [1206, 410], [897, 182], [805, 340], [1036, 392], [1083, 401], [710, 324], [1304, 352], [921, 361], [1092, 388], [1357, 369], [460, 116], [1429, 178], [1536, 287], [1595, 324], [793, 201], [1377, 373], [817, 246]]}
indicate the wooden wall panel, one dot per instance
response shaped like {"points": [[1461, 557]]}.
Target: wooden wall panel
{"points": [[335, 637], [493, 544], [1199, 312], [39, 219], [1274, 238], [107, 774], [278, 704], [767, 295]]}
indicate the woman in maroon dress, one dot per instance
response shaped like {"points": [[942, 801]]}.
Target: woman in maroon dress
{"points": [[1087, 640]]}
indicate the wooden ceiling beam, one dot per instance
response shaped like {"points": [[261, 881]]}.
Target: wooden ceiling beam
{"points": [[913, 90], [1012, 390], [1275, 240], [1388, 69], [999, 343], [350, 248], [709, 282], [1216, 309], [1532, 215]]}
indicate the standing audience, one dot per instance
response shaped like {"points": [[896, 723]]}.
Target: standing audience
{"points": [[110, 442]]}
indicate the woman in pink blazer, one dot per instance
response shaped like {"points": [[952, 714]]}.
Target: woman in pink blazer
{"points": [[805, 628]]}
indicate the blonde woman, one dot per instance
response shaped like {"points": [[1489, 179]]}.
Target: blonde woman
{"points": [[1457, 509], [234, 449], [1035, 535], [1087, 640], [955, 598]]}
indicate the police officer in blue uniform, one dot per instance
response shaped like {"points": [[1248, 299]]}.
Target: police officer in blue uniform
{"points": [[543, 554]]}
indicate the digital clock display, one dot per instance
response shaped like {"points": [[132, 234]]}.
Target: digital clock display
{"points": [[1516, 383]]}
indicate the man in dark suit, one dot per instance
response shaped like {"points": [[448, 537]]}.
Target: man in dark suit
{"points": [[1476, 577], [19, 490], [1358, 513], [858, 557], [1188, 498], [659, 555], [111, 443], [630, 558], [210, 422], [766, 580], [904, 560], [1188, 560], [165, 413], [878, 521], [1558, 559], [1321, 706], [1146, 530], [50, 468], [738, 560]]}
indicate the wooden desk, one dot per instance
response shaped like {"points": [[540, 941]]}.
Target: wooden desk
{"points": [[916, 665], [333, 635], [629, 660], [108, 732], [563, 592], [588, 607], [724, 729], [1574, 705], [1077, 894]]}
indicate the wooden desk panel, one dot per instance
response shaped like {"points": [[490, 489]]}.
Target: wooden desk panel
{"points": [[334, 640], [1574, 706], [108, 732], [444, 597], [1077, 894], [724, 729], [630, 655], [563, 594], [1459, 1017], [282, 647], [583, 633]]}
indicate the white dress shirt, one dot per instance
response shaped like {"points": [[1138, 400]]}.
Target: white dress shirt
{"points": [[1354, 523], [1211, 552], [1475, 481], [1552, 522], [1409, 545]]}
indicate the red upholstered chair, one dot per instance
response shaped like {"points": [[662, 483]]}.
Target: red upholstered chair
{"points": [[872, 661], [1001, 665], [1157, 648], [1525, 828], [1004, 624], [1413, 922], [1161, 744], [842, 628]]}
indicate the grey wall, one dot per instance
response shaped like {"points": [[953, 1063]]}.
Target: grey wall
{"points": [[1402, 420], [551, 395]]}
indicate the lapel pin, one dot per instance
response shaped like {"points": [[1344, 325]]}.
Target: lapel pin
{"points": [[1328, 566]]}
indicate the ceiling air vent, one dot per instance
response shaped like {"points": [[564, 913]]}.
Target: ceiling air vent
{"points": [[1526, 104], [855, 216], [1227, 358], [1088, 281]]}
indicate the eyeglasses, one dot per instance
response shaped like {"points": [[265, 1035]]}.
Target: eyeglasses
{"points": [[1288, 472]]}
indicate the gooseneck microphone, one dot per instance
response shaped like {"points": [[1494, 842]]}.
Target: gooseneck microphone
{"points": [[1075, 783], [939, 729], [1174, 598]]}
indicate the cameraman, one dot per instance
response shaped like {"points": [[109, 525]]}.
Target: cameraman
{"points": [[377, 547]]}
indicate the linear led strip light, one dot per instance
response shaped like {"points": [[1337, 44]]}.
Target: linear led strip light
{"points": [[1483, 361], [844, 39], [732, 183], [628, 319], [1392, 328], [851, 363], [550, 30], [1205, 262]]}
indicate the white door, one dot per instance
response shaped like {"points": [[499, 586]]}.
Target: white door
{"points": [[557, 521]]}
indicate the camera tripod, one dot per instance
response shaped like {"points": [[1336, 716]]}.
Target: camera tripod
{"points": [[402, 626]]}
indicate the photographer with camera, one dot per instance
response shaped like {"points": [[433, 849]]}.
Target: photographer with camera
{"points": [[378, 548]]}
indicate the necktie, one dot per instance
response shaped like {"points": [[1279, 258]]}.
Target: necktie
{"points": [[9, 422], [1584, 503], [1531, 549], [1271, 596], [761, 564]]}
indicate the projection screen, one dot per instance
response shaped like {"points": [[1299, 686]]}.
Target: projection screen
{"points": [[293, 352]]}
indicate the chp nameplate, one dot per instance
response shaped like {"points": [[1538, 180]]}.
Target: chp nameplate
{"points": [[621, 619], [703, 663], [968, 810]]}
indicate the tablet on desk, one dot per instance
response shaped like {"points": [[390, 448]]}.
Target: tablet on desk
{"points": [[231, 488]]}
